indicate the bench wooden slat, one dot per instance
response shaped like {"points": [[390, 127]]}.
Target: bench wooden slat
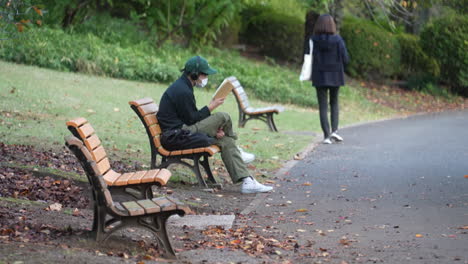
{"points": [[92, 142], [136, 177], [141, 101], [236, 83], [157, 141], [163, 151], [85, 130], [150, 120], [110, 177], [176, 153], [165, 204], [187, 151], [150, 176], [198, 150], [213, 149], [180, 205], [103, 166], [133, 208], [77, 122], [99, 153], [163, 177], [87, 155], [123, 179], [147, 109], [149, 206], [155, 130]]}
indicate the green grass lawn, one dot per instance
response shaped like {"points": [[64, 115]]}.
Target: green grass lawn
{"points": [[35, 103]]}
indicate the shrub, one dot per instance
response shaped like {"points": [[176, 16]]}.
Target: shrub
{"points": [[55, 49], [111, 30], [374, 53], [446, 40], [415, 63], [277, 35]]}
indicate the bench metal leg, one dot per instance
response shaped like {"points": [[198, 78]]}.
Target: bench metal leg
{"points": [[211, 179], [271, 122], [196, 169], [158, 227]]}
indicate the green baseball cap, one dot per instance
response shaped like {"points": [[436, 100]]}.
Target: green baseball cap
{"points": [[198, 64]]}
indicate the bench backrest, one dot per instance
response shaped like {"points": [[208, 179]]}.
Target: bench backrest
{"points": [[239, 93], [92, 171], [146, 110], [82, 129]]}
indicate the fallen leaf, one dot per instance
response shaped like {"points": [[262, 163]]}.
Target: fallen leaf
{"points": [[302, 210], [418, 235], [76, 212], [307, 184], [55, 207], [298, 156]]}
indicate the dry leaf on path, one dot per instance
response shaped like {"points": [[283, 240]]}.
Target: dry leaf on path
{"points": [[55, 207]]}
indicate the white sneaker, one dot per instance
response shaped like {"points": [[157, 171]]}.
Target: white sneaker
{"points": [[250, 185], [327, 141], [336, 137], [246, 157]]}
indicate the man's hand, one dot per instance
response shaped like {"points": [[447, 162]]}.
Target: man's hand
{"points": [[220, 133], [215, 103]]}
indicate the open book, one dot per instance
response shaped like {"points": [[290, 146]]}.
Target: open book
{"points": [[223, 90]]}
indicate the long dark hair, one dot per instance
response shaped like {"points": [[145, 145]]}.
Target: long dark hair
{"points": [[325, 25]]}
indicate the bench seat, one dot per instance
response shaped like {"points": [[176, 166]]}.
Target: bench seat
{"points": [[146, 110]]}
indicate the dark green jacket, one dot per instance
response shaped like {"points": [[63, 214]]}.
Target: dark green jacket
{"points": [[178, 106]]}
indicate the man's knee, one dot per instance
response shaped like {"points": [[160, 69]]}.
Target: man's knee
{"points": [[223, 116]]}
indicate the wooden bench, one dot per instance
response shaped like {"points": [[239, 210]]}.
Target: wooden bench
{"points": [[146, 110], [110, 216], [246, 112], [137, 183]]}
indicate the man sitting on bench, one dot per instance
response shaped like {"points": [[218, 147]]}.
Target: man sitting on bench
{"points": [[178, 110]]}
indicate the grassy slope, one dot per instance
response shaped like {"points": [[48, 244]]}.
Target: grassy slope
{"points": [[36, 103]]}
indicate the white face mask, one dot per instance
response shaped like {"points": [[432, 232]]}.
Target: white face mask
{"points": [[203, 83]]}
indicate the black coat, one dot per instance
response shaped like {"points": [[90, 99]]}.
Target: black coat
{"points": [[329, 59], [178, 106]]}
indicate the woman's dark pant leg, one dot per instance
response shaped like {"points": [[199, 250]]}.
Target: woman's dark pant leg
{"points": [[322, 98], [334, 108]]}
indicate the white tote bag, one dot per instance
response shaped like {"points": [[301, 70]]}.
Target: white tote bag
{"points": [[306, 71]]}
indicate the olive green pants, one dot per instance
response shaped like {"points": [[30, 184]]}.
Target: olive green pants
{"points": [[229, 153]]}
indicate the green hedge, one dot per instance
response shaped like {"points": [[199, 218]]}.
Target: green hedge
{"points": [[277, 35], [414, 61], [55, 49], [374, 53], [52, 48], [446, 39]]}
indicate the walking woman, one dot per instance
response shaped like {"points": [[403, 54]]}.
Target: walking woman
{"points": [[329, 59]]}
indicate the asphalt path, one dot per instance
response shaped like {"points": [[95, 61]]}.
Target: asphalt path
{"points": [[393, 192]]}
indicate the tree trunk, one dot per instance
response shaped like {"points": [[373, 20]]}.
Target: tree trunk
{"points": [[70, 13], [337, 11]]}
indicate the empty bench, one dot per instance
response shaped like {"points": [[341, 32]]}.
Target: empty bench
{"points": [[137, 183], [246, 112], [111, 216], [146, 110]]}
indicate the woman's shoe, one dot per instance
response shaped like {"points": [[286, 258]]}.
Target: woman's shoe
{"points": [[336, 137], [327, 141]]}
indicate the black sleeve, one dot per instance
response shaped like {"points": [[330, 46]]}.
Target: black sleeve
{"points": [[187, 109], [306, 46], [344, 52]]}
